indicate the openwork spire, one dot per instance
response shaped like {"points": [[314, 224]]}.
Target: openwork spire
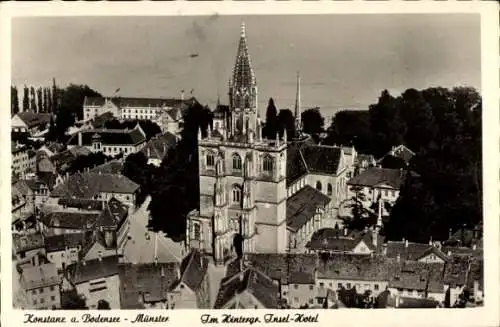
{"points": [[298, 119], [243, 75]]}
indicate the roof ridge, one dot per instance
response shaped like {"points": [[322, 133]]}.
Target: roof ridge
{"points": [[303, 159]]}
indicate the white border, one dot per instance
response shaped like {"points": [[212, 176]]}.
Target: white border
{"points": [[485, 316]]}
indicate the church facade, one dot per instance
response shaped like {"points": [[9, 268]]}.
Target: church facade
{"points": [[246, 195]]}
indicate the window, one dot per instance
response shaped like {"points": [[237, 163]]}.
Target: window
{"points": [[339, 285], [196, 231], [319, 300], [295, 299], [321, 284], [52, 298], [296, 286], [52, 288], [210, 160], [375, 287], [268, 164], [33, 292], [42, 300], [329, 189], [311, 301], [34, 301], [311, 287], [348, 285], [236, 162], [236, 194], [40, 290]]}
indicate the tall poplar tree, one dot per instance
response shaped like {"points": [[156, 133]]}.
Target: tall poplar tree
{"points": [[271, 120], [14, 104], [33, 100], [26, 99], [39, 96]]}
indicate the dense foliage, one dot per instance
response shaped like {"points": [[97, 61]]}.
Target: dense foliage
{"points": [[89, 161], [175, 185], [443, 128], [312, 121], [136, 168]]}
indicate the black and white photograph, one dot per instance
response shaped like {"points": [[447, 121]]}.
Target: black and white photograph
{"points": [[278, 162]]}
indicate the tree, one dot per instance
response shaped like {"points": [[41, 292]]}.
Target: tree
{"points": [[271, 126], [136, 168], [89, 161], [39, 94], [54, 97], [286, 120], [360, 216], [50, 106], [14, 106], [103, 305], [26, 99], [45, 100], [312, 121], [33, 100], [350, 128], [71, 300]]}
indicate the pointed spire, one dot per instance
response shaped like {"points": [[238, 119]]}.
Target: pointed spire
{"points": [[243, 31], [298, 122], [285, 138], [199, 133], [243, 75], [277, 139]]}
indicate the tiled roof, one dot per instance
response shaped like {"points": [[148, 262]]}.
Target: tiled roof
{"points": [[286, 268], [253, 281], [68, 156], [455, 271], [243, 75], [413, 251], [402, 152], [193, 270], [334, 240], [32, 119], [435, 251], [39, 276], [418, 276], [110, 137], [363, 268], [146, 282], [85, 204], [295, 165], [27, 242], [60, 242], [157, 147], [45, 165], [322, 158], [70, 219], [23, 187], [111, 167], [302, 206], [93, 269], [124, 102], [100, 121], [88, 185], [375, 176]]}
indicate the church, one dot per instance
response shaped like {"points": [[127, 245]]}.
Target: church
{"points": [[261, 195]]}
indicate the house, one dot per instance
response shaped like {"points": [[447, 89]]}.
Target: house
{"points": [[114, 167], [401, 152], [171, 120], [40, 284], [39, 189], [111, 142], [362, 273], [97, 280], [334, 241], [23, 160], [30, 122], [64, 159], [50, 149], [376, 183], [26, 245], [191, 290], [409, 251], [418, 280], [304, 212], [62, 250], [248, 289], [156, 149], [98, 186], [22, 208], [145, 285], [293, 273]]}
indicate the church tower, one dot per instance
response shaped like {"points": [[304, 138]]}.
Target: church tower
{"points": [[242, 177]]}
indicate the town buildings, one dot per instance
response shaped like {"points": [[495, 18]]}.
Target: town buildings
{"points": [[31, 123]]}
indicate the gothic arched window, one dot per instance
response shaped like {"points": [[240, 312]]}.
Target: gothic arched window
{"points": [[210, 160], [268, 164], [236, 162], [329, 190], [236, 194], [196, 231], [318, 186]]}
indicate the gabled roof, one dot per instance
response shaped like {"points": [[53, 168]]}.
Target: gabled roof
{"points": [[93, 269], [45, 165], [157, 147], [110, 137], [418, 276], [301, 206], [334, 240], [70, 219], [111, 167], [250, 280], [402, 152], [145, 282], [27, 242], [362, 268], [289, 268], [88, 185], [375, 176], [435, 251], [193, 270], [322, 158], [32, 119], [410, 251], [61, 242]]}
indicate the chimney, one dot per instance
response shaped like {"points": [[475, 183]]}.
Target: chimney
{"points": [[84, 262], [149, 152], [448, 253], [374, 237], [406, 243], [384, 249], [430, 241], [80, 138]]}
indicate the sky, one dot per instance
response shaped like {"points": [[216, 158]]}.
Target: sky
{"points": [[345, 61]]}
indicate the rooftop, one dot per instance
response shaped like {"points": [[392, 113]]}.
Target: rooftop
{"points": [[27, 242], [39, 276], [303, 205], [32, 119], [85, 271], [133, 136], [378, 177]]}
